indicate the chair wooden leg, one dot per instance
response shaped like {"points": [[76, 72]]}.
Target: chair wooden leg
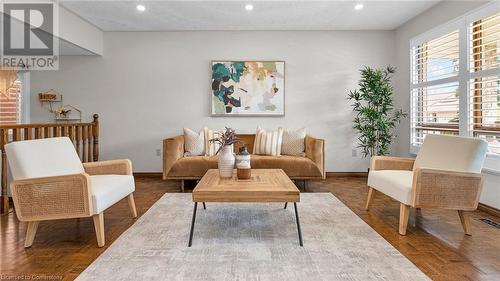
{"points": [[99, 229], [30, 233], [131, 203], [182, 185], [464, 219], [371, 194], [404, 212]]}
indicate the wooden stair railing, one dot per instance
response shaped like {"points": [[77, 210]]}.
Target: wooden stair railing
{"points": [[85, 137]]}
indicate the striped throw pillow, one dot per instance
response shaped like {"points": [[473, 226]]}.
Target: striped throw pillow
{"points": [[268, 142], [294, 142], [194, 143], [211, 147]]}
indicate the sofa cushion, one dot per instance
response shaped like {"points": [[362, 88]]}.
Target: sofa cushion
{"points": [[109, 189], [193, 167], [394, 183], [294, 166]]}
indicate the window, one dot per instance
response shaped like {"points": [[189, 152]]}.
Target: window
{"points": [[485, 81], [10, 104], [455, 80], [435, 96]]}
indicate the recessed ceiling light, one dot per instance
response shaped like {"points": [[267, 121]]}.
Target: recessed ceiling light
{"points": [[358, 6], [140, 8], [248, 7]]}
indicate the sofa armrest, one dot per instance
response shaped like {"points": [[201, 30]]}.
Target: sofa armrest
{"points": [[315, 150], [391, 163], [49, 198], [173, 150], [111, 167], [446, 189]]}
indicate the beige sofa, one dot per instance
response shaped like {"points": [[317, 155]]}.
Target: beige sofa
{"points": [[178, 167]]}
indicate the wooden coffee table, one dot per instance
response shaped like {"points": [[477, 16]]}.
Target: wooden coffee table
{"points": [[266, 185]]}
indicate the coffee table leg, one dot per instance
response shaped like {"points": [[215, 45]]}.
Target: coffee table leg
{"points": [[192, 225], [286, 204], [298, 223], [204, 206]]}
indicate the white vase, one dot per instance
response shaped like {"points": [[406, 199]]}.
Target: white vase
{"points": [[226, 162]]}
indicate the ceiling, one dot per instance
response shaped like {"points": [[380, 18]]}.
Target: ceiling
{"points": [[231, 15]]}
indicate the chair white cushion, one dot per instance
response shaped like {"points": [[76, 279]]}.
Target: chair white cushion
{"points": [[396, 184], [43, 158], [109, 189], [452, 153]]}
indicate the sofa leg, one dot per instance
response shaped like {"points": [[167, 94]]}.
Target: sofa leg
{"points": [[404, 213], [182, 185], [305, 185], [371, 194], [30, 233], [131, 204], [99, 229], [465, 220]]}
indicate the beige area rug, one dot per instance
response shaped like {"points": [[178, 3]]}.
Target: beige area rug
{"points": [[246, 241]]}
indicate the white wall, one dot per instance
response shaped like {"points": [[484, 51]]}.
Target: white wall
{"points": [[79, 32], [149, 86], [437, 15]]}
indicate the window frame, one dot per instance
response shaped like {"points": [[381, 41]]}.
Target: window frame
{"points": [[449, 27], [464, 73]]}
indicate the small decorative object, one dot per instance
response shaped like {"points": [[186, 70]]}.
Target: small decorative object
{"points": [[50, 96], [67, 113], [375, 117], [248, 88], [226, 155], [243, 168]]}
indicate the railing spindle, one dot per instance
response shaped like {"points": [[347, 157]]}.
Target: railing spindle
{"points": [[89, 144], [78, 139], [84, 143], [71, 133], [28, 133], [38, 133], [4, 138], [95, 133]]}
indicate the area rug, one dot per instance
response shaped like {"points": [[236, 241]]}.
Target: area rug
{"points": [[246, 241]]}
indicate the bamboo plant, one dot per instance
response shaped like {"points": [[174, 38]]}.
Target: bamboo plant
{"points": [[375, 117]]}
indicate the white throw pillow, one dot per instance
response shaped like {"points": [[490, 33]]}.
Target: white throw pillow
{"points": [[268, 142], [294, 142], [194, 143]]}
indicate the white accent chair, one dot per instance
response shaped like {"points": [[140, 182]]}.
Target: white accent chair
{"points": [[50, 182], [446, 174]]}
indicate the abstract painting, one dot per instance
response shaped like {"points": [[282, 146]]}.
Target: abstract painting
{"points": [[248, 88]]}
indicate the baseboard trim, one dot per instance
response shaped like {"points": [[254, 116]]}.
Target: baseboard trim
{"points": [[346, 174], [328, 174], [489, 210], [148, 174]]}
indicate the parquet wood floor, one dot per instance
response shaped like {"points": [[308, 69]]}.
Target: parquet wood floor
{"points": [[434, 242]]}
